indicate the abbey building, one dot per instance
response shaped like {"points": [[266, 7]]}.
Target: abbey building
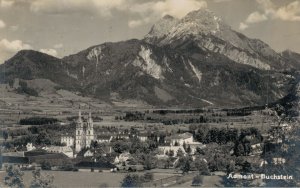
{"points": [[84, 134]]}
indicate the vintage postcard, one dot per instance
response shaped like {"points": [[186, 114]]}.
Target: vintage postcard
{"points": [[149, 93]]}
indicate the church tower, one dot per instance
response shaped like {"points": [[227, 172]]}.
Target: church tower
{"points": [[89, 131], [79, 134]]}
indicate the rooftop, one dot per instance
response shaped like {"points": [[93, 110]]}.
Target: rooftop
{"points": [[97, 165]]}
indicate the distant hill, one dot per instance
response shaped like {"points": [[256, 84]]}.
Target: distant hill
{"points": [[195, 61]]}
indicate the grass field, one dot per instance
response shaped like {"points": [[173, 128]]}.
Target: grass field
{"points": [[86, 179]]}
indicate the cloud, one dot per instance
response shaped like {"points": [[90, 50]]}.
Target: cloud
{"points": [[243, 26], [51, 52], [135, 23], [2, 24], [72, 6], [221, 1], [9, 48], [57, 46], [291, 12], [13, 46], [143, 12], [178, 8], [6, 3], [256, 17], [269, 11], [101, 7], [156, 9]]}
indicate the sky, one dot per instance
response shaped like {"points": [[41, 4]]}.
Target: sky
{"points": [[64, 27]]}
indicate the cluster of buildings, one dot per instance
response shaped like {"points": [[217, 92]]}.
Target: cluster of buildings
{"points": [[177, 142], [77, 147]]}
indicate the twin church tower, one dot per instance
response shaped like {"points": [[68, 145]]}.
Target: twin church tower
{"points": [[84, 134]]}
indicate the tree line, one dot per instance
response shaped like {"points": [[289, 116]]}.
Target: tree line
{"points": [[38, 121]]}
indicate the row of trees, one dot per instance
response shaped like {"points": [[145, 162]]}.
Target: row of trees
{"points": [[38, 121], [14, 178], [134, 116], [217, 135], [189, 111], [23, 88], [223, 135]]}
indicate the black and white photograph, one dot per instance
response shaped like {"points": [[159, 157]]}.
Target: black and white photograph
{"points": [[149, 93]]}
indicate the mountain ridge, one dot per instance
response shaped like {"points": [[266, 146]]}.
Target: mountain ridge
{"points": [[200, 68], [211, 33]]}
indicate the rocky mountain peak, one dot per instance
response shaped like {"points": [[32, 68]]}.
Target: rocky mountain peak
{"points": [[210, 33], [202, 21], [199, 22], [162, 27]]}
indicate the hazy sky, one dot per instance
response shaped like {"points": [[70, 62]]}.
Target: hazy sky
{"points": [[63, 27]]}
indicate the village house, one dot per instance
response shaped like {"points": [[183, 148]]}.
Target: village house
{"points": [[67, 150], [143, 137], [121, 135], [122, 158], [263, 163], [104, 138], [14, 154], [130, 165], [180, 139], [278, 160], [88, 153], [29, 146], [21, 162], [256, 148], [166, 150], [39, 156]]}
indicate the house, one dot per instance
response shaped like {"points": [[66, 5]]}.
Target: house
{"points": [[257, 148], [29, 146], [130, 165], [68, 140], [100, 166], [263, 163], [21, 162], [143, 137], [166, 150], [278, 160], [67, 150], [14, 154], [121, 135], [286, 127], [122, 158], [104, 138], [53, 159], [180, 139], [88, 153]]}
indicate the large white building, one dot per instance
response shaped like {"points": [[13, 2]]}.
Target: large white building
{"points": [[180, 139], [84, 134], [68, 140]]}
